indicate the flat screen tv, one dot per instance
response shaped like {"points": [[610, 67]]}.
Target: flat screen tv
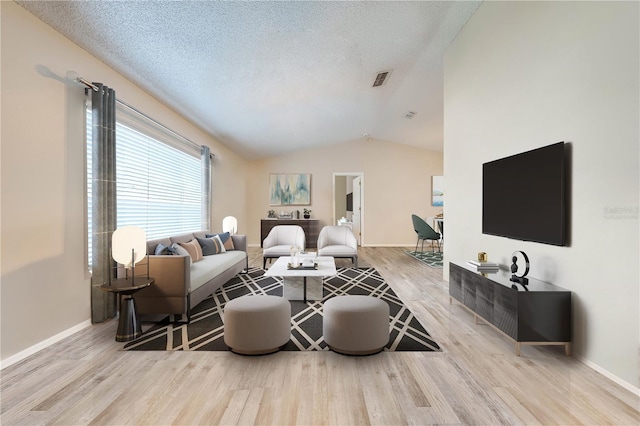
{"points": [[350, 202], [524, 196]]}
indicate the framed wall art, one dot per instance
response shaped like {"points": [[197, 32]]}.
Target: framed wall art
{"points": [[290, 189], [437, 191]]}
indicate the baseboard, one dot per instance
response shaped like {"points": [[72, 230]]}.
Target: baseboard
{"points": [[628, 386], [13, 359]]}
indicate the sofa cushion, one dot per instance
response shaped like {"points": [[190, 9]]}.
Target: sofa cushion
{"points": [[212, 266], [194, 249], [211, 246], [161, 249], [181, 251], [225, 237], [152, 244]]}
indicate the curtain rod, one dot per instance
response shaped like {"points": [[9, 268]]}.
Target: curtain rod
{"points": [[95, 89]]}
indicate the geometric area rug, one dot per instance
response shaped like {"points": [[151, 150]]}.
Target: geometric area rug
{"points": [[433, 259], [205, 332]]}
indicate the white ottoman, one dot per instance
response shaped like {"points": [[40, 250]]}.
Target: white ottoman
{"points": [[356, 325], [256, 325]]}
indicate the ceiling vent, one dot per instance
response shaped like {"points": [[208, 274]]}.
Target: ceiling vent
{"points": [[381, 78], [409, 115]]}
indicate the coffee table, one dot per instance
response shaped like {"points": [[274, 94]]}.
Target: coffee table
{"points": [[302, 284]]}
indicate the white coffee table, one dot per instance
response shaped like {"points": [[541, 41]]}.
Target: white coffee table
{"points": [[302, 284]]}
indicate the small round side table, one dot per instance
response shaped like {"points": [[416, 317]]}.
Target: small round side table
{"points": [[129, 328]]}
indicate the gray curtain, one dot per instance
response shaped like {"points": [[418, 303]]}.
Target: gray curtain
{"points": [[205, 158], [103, 103]]}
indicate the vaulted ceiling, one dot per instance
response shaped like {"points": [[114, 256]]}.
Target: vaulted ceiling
{"points": [[265, 78]]}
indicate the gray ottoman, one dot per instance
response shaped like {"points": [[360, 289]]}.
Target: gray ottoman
{"points": [[256, 325], [356, 325]]}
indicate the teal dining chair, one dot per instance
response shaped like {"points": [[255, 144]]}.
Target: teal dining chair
{"points": [[425, 232]]}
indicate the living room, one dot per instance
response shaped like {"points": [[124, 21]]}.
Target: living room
{"points": [[518, 76]]}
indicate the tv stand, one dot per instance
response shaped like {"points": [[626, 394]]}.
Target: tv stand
{"points": [[539, 314]]}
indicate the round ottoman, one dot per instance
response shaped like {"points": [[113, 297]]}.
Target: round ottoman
{"points": [[256, 325], [356, 325]]}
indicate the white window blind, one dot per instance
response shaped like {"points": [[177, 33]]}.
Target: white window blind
{"points": [[159, 187]]}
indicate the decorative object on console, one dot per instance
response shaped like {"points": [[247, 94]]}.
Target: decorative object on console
{"points": [[307, 213], [289, 189], [482, 256], [514, 268], [484, 267], [271, 214]]}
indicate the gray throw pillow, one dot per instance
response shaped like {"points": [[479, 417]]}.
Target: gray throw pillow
{"points": [[225, 238], [211, 245], [161, 249]]}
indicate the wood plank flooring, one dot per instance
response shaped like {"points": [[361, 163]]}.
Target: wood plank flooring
{"points": [[476, 379]]}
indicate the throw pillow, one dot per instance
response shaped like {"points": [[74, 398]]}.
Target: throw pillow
{"points": [[226, 239], [161, 249], [211, 245], [193, 247], [181, 251]]}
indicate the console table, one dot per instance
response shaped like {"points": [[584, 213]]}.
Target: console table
{"points": [[539, 314], [310, 227]]}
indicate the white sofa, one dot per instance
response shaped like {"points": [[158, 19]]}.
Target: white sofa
{"points": [[181, 284]]}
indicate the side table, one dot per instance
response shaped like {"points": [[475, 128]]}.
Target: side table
{"points": [[129, 328]]}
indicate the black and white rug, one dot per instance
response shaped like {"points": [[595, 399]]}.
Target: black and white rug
{"points": [[205, 332], [430, 258]]}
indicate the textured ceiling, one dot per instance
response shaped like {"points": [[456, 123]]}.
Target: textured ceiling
{"points": [[266, 78]]}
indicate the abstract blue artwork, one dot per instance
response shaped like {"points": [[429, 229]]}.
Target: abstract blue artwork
{"points": [[437, 191], [288, 189]]}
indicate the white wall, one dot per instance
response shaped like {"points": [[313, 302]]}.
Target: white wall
{"points": [[397, 183], [522, 75], [45, 284]]}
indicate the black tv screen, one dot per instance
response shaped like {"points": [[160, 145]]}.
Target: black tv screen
{"points": [[524, 196], [350, 202]]}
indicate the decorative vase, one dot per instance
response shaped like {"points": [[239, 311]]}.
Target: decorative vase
{"points": [[295, 257], [307, 216]]}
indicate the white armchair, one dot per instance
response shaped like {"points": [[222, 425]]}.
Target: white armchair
{"points": [[338, 241], [279, 241]]}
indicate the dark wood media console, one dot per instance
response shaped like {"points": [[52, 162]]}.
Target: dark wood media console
{"points": [[310, 227], [537, 315]]}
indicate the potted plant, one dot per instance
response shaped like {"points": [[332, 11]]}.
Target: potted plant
{"points": [[307, 213]]}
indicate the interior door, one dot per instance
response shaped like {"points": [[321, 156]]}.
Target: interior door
{"points": [[357, 208]]}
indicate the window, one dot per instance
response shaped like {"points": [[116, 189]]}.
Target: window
{"points": [[159, 183]]}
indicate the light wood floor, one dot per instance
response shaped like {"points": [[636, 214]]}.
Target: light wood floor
{"points": [[476, 379]]}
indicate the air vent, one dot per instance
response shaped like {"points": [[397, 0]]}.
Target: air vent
{"points": [[409, 115], [381, 78]]}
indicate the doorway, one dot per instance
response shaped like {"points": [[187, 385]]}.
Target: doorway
{"points": [[348, 202]]}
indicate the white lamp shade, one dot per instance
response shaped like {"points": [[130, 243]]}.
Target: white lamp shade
{"points": [[124, 240], [230, 225]]}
